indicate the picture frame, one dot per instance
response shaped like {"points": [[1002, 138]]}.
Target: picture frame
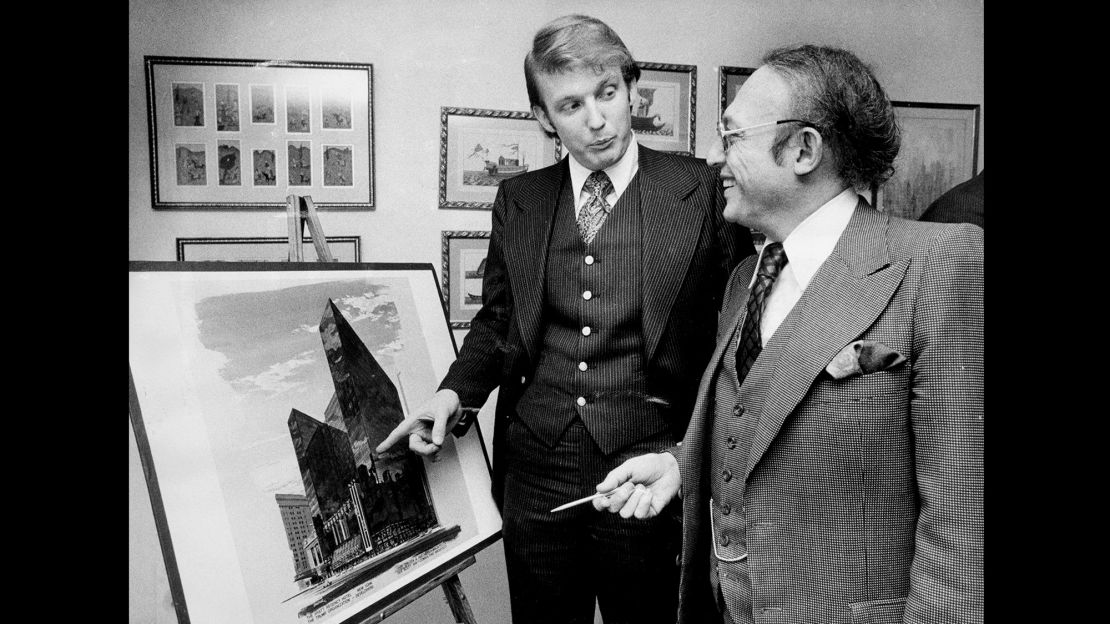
{"points": [[940, 149], [228, 134], [478, 148], [258, 392], [464, 261], [263, 249], [729, 80], [664, 109]]}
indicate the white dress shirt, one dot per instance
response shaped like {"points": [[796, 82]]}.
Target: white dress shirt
{"points": [[620, 174], [807, 247]]}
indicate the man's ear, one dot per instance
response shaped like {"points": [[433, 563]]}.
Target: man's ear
{"points": [[541, 116], [811, 151], [633, 94]]}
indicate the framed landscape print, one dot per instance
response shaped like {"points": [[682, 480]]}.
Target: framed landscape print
{"points": [[478, 148], [940, 149], [464, 266], [263, 249], [258, 394], [730, 79], [664, 107], [237, 133]]}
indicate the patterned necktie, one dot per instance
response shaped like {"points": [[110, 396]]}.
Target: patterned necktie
{"points": [[595, 209], [751, 342]]}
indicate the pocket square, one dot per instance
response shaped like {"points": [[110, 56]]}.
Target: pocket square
{"points": [[862, 357]]}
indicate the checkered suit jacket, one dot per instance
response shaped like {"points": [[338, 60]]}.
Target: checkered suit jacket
{"points": [[689, 250], [864, 495]]}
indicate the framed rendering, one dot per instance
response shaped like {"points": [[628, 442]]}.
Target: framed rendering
{"points": [[664, 107], [479, 148], [258, 393], [235, 133], [730, 79], [940, 149], [464, 266], [269, 249]]}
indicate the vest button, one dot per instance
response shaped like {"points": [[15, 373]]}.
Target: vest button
{"points": [[726, 509], [582, 366], [738, 410], [581, 401], [522, 379], [731, 442], [726, 474], [725, 541], [587, 295], [586, 330], [589, 259]]}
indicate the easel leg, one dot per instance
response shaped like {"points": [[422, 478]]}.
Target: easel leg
{"points": [[456, 599]]}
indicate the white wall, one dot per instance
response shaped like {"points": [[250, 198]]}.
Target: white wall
{"points": [[468, 53]]}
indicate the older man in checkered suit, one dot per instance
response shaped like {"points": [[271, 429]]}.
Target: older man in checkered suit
{"points": [[832, 470]]}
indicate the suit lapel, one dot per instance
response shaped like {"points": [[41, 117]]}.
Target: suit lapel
{"points": [[528, 225], [846, 295], [670, 234]]}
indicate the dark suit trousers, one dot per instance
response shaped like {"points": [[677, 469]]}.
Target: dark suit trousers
{"points": [[558, 563]]}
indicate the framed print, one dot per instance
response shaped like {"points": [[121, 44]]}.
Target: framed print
{"points": [[464, 266], [940, 149], [243, 134], [258, 394], [730, 79], [664, 107], [263, 249], [478, 148]]}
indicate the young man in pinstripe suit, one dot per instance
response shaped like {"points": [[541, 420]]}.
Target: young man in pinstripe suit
{"points": [[602, 286], [832, 470]]}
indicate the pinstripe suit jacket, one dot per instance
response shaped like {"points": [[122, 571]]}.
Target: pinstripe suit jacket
{"points": [[689, 251], [864, 495]]}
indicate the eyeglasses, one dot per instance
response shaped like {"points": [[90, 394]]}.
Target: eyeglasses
{"points": [[729, 137]]}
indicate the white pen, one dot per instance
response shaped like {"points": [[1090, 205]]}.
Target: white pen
{"points": [[580, 501]]}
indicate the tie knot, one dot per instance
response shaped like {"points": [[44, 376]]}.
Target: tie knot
{"points": [[774, 258], [599, 184]]}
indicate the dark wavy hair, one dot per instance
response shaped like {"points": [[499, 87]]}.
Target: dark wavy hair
{"points": [[833, 89], [572, 42]]}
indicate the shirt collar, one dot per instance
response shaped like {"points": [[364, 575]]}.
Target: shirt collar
{"points": [[812, 241], [620, 173]]}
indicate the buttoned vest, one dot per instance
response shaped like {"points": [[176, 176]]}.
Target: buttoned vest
{"points": [[590, 364], [736, 414]]}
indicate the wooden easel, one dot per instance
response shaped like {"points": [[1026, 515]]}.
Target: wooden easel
{"points": [[448, 579], [297, 216]]}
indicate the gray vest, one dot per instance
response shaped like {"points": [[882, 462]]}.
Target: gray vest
{"points": [[590, 364], [736, 414]]}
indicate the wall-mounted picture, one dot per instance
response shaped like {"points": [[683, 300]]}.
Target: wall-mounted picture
{"points": [[229, 162], [191, 164], [336, 112], [227, 107], [464, 266], [263, 249], [664, 107], [230, 134], [338, 165], [478, 148], [730, 79], [262, 104], [299, 157], [940, 149], [188, 104], [258, 394]]}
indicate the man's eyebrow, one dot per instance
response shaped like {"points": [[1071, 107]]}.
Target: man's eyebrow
{"points": [[566, 100]]}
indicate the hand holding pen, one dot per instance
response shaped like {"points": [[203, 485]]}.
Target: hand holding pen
{"points": [[641, 486]]}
